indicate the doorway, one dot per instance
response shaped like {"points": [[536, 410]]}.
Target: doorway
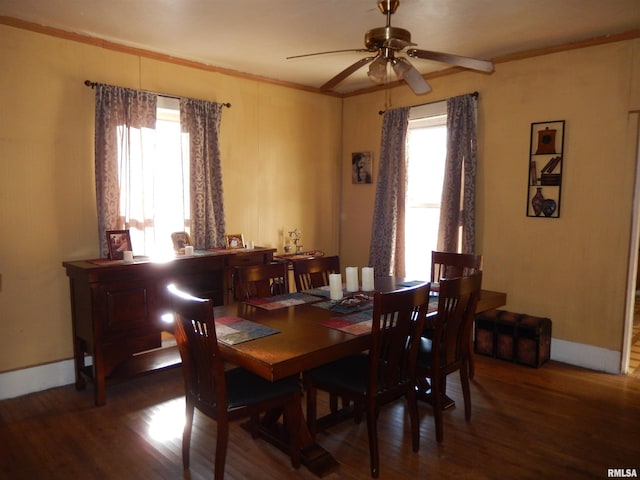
{"points": [[631, 342], [634, 351]]}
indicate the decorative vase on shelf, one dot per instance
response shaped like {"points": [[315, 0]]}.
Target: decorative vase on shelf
{"points": [[536, 202], [548, 207]]}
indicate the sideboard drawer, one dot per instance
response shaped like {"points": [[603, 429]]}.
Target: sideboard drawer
{"points": [[242, 260]]}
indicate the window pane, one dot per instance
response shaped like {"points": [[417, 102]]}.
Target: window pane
{"points": [[426, 150]]}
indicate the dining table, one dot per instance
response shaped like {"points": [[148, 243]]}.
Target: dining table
{"points": [[285, 335]]}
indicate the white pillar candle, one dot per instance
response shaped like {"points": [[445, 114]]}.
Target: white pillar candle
{"points": [[127, 256], [352, 279], [335, 286], [188, 250], [367, 279]]}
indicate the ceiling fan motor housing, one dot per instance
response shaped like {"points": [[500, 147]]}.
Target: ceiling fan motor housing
{"points": [[388, 6], [378, 37]]}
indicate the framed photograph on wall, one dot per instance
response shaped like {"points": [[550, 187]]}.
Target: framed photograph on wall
{"points": [[234, 240], [361, 167], [119, 241]]}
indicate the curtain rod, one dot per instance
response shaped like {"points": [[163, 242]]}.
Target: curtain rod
{"points": [[91, 84], [475, 94]]}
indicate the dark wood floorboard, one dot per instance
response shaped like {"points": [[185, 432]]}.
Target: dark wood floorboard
{"points": [[556, 422]]}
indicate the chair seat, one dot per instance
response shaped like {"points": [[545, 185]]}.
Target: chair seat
{"points": [[349, 373], [246, 388]]}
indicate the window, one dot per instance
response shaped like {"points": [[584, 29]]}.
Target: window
{"points": [[426, 152], [163, 198]]}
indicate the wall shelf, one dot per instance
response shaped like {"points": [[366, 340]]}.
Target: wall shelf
{"points": [[546, 159]]}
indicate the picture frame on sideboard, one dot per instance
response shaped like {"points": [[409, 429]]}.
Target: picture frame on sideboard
{"points": [[234, 240], [119, 241]]}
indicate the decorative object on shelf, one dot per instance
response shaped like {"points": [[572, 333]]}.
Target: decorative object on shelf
{"points": [[546, 141], [537, 201], [234, 240], [361, 167], [548, 207], [546, 150], [296, 236], [119, 241]]}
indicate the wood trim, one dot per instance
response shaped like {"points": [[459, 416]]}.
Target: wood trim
{"points": [[591, 42], [77, 37], [106, 44]]}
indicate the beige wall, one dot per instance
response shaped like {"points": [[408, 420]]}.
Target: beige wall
{"points": [[572, 269], [286, 163], [281, 158]]}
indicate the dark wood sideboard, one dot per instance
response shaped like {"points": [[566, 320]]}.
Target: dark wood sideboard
{"points": [[116, 309]]}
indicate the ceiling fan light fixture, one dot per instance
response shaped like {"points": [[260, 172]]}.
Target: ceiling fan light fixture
{"points": [[401, 66], [384, 43], [378, 70]]}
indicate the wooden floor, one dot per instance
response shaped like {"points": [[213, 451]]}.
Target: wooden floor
{"points": [[554, 422]]}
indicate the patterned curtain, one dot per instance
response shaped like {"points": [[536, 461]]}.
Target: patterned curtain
{"points": [[457, 211], [387, 236], [201, 121], [124, 136]]}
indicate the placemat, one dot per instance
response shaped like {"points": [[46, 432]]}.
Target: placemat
{"points": [[356, 323], [234, 330], [280, 301]]}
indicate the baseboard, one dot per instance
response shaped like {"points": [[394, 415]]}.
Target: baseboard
{"points": [[35, 379], [587, 356]]}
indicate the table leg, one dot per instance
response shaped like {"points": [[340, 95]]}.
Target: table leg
{"points": [[314, 457]]}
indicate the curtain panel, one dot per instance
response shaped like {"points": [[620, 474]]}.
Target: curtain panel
{"points": [[125, 122], [386, 255], [201, 121], [457, 210]]}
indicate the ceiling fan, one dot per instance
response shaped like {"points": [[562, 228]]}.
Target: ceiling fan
{"points": [[386, 42]]}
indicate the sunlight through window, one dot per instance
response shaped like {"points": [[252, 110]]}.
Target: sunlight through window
{"points": [[167, 420], [426, 151]]}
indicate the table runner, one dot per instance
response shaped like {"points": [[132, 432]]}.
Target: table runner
{"points": [[347, 305], [281, 301]]}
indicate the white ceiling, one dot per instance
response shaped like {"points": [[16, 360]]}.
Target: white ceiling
{"points": [[256, 36]]}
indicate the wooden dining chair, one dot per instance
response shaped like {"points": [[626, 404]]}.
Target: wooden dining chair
{"points": [[445, 350], [367, 381], [452, 265], [314, 272], [262, 280], [223, 395]]}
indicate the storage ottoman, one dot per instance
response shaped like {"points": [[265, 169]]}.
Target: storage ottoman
{"points": [[515, 337]]}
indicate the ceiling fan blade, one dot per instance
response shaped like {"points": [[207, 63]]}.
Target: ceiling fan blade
{"points": [[415, 80], [398, 44], [327, 52], [466, 62], [346, 72]]}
